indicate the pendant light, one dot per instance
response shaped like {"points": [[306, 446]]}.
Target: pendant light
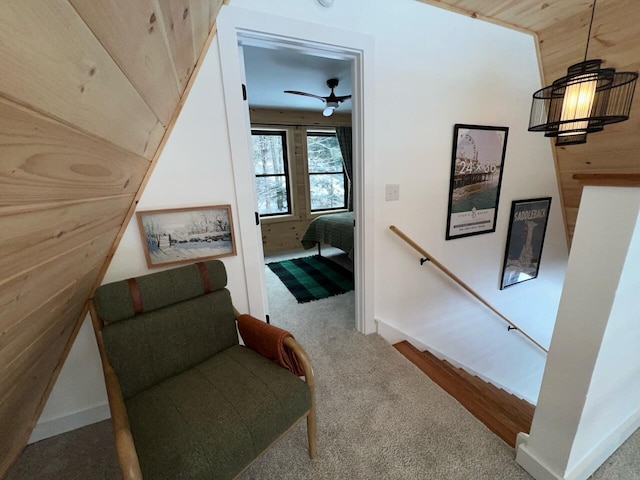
{"points": [[582, 102]]}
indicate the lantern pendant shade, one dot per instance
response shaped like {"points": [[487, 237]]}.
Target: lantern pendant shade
{"points": [[582, 102]]}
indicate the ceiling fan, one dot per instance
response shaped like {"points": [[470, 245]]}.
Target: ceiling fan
{"points": [[331, 101]]}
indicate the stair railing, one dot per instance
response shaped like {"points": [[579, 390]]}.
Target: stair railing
{"points": [[450, 274]]}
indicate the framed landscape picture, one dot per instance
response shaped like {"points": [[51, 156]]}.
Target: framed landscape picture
{"points": [[184, 235], [527, 227], [476, 175]]}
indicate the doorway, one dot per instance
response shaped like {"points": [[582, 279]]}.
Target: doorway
{"points": [[240, 27]]}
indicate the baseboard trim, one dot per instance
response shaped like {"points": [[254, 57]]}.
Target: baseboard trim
{"points": [[82, 418], [590, 463], [532, 464], [528, 460], [393, 334]]}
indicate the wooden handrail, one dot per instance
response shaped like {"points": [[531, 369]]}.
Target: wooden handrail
{"points": [[456, 279]]}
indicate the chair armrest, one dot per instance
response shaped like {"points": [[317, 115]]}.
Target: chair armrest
{"points": [[125, 447], [268, 341], [300, 352], [291, 344]]}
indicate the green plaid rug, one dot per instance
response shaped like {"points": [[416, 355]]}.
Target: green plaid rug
{"points": [[313, 278]]}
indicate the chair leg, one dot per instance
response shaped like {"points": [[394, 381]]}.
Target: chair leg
{"points": [[311, 432]]}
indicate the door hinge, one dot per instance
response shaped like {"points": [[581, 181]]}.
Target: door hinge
{"points": [[268, 319], [244, 92], [257, 218]]}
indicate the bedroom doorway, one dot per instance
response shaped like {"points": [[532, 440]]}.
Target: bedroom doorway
{"points": [[302, 161], [241, 28]]}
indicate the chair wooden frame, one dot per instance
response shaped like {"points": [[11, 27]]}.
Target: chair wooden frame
{"points": [[123, 438]]}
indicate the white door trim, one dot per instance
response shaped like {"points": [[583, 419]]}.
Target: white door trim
{"points": [[238, 25]]}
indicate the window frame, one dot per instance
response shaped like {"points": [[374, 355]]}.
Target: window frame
{"points": [[285, 159], [323, 133]]}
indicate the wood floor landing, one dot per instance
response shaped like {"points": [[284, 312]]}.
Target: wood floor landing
{"points": [[503, 413]]}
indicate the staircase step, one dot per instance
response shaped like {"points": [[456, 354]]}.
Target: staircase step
{"points": [[503, 413], [469, 396], [517, 406], [502, 395]]}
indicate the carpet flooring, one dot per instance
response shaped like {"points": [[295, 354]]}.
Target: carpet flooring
{"points": [[312, 277], [379, 418]]}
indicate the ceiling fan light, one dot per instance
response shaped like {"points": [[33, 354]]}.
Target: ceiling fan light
{"points": [[328, 111], [330, 108]]}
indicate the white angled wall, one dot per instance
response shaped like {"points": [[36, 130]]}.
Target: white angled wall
{"points": [[433, 69], [590, 398]]}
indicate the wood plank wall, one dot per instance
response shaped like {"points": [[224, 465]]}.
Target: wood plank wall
{"points": [[526, 15], [614, 39], [88, 91], [284, 233]]}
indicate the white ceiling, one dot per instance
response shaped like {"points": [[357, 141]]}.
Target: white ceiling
{"points": [[271, 71]]}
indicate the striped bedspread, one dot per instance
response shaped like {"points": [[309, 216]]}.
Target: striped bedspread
{"points": [[336, 229]]}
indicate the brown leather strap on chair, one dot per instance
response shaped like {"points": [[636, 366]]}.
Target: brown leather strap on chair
{"points": [[135, 295], [205, 277]]}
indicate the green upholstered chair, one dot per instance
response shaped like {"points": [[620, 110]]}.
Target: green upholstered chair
{"points": [[187, 400]]}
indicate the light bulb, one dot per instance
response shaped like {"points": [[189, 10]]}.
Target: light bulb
{"points": [[577, 103], [328, 111]]}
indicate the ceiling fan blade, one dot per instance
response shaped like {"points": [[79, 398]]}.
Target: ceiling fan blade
{"points": [[295, 92], [342, 98]]}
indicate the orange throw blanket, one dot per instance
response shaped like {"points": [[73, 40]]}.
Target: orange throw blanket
{"points": [[268, 341]]}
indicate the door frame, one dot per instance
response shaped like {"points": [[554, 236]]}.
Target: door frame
{"points": [[239, 26]]}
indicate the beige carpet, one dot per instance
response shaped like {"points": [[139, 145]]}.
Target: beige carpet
{"points": [[379, 417]]}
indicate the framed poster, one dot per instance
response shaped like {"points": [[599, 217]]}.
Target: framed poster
{"points": [[184, 235], [476, 175], [527, 227]]}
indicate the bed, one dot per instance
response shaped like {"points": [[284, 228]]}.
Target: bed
{"points": [[335, 229]]}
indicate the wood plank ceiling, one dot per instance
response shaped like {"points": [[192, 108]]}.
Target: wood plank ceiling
{"points": [[561, 28], [88, 91]]}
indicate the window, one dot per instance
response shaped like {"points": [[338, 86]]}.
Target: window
{"points": [[271, 170], [327, 179]]}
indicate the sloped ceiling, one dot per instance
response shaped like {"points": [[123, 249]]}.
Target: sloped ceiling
{"points": [[561, 28], [87, 92]]}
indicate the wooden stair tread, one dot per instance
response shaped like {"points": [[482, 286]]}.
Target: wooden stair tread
{"points": [[494, 396], [517, 407], [447, 377], [487, 411], [498, 393], [502, 412]]}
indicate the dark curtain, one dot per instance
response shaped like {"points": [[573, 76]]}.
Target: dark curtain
{"points": [[344, 139]]}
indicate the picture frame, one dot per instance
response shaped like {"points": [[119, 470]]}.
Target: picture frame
{"points": [[477, 163], [525, 239], [186, 235]]}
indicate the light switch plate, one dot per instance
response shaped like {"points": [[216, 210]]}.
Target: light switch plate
{"points": [[393, 192]]}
